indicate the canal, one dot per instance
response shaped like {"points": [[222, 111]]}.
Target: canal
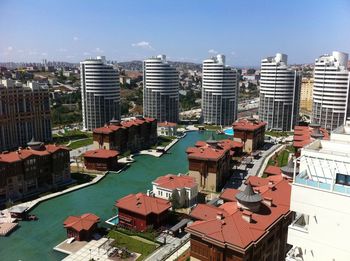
{"points": [[35, 240]]}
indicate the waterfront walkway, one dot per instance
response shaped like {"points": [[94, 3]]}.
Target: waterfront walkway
{"points": [[5, 217]]}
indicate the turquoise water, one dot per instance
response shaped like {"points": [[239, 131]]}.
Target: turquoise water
{"points": [[35, 240], [229, 132], [114, 220]]}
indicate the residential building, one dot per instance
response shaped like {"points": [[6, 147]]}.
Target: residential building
{"points": [[160, 90], [320, 200], [100, 92], [250, 225], [24, 114], [304, 135], [251, 132], [331, 90], [307, 85], [101, 159], [179, 189], [219, 92], [131, 135], [167, 128], [33, 170], [210, 162], [83, 227], [140, 212], [279, 93]]}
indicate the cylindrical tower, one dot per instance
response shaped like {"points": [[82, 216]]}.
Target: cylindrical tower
{"points": [[279, 93], [100, 92], [331, 90], [219, 92], [160, 90]]}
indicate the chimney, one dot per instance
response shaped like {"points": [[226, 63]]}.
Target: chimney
{"points": [[247, 216], [268, 201], [148, 192], [219, 215], [272, 187]]}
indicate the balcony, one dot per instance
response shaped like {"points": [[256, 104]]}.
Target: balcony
{"points": [[301, 223]]}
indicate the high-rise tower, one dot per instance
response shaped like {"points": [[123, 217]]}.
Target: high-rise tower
{"points": [[219, 92], [160, 90], [331, 90], [100, 93], [279, 93]]}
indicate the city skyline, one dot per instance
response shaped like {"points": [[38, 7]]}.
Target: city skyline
{"points": [[185, 31]]}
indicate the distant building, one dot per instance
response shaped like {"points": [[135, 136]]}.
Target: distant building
{"points": [[279, 94], [250, 225], [140, 212], [33, 170], [306, 94], [219, 92], [83, 227], [100, 92], [167, 128], [160, 90], [210, 162], [250, 132], [101, 159], [321, 199], [181, 188], [331, 97], [24, 114], [130, 135]]}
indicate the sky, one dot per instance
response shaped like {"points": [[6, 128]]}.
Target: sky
{"points": [[245, 31]]}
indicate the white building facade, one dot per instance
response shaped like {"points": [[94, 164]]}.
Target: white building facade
{"points": [[160, 90], [100, 92], [320, 199], [279, 93], [184, 186], [219, 92], [331, 90]]}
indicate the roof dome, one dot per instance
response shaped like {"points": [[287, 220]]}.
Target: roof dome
{"points": [[248, 199], [212, 140]]}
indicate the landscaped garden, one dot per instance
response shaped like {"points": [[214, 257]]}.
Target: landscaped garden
{"points": [[133, 243], [281, 158], [75, 139]]}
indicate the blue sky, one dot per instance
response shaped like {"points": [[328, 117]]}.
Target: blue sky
{"points": [[190, 30]]}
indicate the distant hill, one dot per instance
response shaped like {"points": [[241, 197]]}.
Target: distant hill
{"points": [[137, 65]]}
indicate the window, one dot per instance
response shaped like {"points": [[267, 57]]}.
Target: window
{"points": [[342, 179]]}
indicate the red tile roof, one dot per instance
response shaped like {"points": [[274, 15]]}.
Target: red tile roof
{"points": [[273, 170], [204, 151], [22, 154], [107, 129], [167, 124], [229, 194], [101, 153], [172, 182], [83, 222], [247, 125], [142, 204], [232, 230], [302, 135]]}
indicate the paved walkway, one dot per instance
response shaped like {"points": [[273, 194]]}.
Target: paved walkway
{"points": [[6, 216], [81, 150], [179, 252], [172, 244]]}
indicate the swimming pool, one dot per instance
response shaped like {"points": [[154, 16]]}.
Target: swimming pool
{"points": [[229, 132], [113, 221]]}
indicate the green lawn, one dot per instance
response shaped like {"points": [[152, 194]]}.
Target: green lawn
{"points": [[209, 127], [149, 235], [134, 245], [163, 141], [64, 138], [80, 143], [279, 133], [282, 157]]}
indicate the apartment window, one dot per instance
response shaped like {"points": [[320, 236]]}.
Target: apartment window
{"points": [[342, 179]]}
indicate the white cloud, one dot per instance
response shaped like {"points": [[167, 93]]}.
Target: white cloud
{"points": [[212, 51], [10, 48], [98, 50], [75, 38], [20, 51], [86, 53], [143, 44]]}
